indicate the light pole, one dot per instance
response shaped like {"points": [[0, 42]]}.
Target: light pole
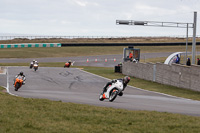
{"points": [[168, 24], [194, 38], [186, 43]]}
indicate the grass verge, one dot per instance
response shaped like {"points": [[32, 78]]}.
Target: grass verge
{"points": [[39, 115], [82, 51]]}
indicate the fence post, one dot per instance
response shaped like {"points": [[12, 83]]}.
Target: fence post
{"points": [[154, 72]]}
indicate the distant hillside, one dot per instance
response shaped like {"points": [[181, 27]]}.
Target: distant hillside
{"points": [[67, 39]]}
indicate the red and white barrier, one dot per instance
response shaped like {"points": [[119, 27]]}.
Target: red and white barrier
{"points": [[105, 60]]}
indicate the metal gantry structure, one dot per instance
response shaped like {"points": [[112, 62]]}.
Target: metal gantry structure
{"points": [[154, 23], [168, 24]]}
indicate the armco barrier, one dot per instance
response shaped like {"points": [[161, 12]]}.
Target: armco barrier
{"points": [[29, 45]]}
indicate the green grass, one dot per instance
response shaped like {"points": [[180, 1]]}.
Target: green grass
{"points": [[154, 60], [39, 115], [22, 115], [81, 51]]}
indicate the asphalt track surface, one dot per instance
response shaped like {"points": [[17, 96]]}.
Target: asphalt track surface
{"points": [[77, 86], [82, 60]]}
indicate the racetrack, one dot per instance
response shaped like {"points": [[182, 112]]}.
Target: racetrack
{"points": [[82, 60], [75, 85]]}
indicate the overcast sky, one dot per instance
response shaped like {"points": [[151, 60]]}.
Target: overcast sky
{"points": [[95, 17]]}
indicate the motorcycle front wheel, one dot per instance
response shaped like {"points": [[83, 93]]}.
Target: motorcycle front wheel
{"points": [[101, 97], [17, 86], [113, 95], [35, 68]]}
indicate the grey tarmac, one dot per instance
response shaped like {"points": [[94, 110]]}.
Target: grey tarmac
{"points": [[82, 60], [77, 86]]}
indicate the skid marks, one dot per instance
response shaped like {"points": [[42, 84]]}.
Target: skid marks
{"points": [[49, 79], [76, 78], [65, 74]]}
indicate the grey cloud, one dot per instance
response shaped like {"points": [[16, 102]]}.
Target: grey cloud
{"points": [[96, 17]]}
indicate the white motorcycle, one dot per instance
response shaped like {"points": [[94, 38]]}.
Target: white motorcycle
{"points": [[112, 91], [35, 66]]}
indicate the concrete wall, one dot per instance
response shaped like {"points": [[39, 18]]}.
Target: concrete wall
{"points": [[176, 75], [23, 45], [139, 70]]}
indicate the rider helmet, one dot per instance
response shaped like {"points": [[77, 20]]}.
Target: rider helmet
{"points": [[33, 60], [21, 73], [126, 79]]}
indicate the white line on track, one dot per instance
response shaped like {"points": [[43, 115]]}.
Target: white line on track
{"points": [[7, 88]]}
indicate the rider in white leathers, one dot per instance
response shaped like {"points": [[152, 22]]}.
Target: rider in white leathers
{"points": [[124, 80], [32, 63]]}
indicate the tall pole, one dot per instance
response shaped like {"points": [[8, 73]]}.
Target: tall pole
{"points": [[194, 38], [186, 44]]}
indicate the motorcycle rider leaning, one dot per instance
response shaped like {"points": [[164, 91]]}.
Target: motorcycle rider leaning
{"points": [[33, 62], [69, 63], [36, 62], [21, 74], [124, 80]]}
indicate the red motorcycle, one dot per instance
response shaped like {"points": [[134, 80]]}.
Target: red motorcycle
{"points": [[68, 64]]}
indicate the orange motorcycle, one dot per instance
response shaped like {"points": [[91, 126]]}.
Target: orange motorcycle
{"points": [[68, 64], [18, 83]]}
